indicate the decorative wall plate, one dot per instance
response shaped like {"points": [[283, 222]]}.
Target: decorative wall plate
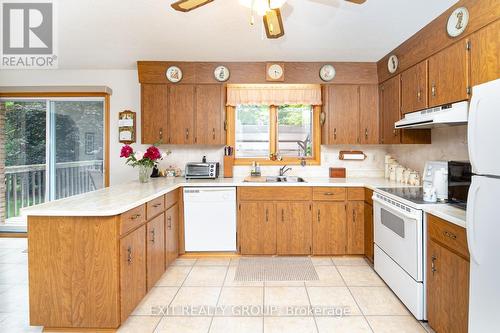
{"points": [[392, 64], [327, 72], [174, 74], [221, 73], [457, 22]]}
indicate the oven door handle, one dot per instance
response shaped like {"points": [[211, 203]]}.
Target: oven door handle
{"points": [[394, 209]]}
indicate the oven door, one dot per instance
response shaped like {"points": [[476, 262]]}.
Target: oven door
{"points": [[399, 234]]}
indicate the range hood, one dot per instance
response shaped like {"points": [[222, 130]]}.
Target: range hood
{"points": [[445, 115]]}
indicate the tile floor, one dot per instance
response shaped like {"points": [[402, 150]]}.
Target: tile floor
{"points": [[200, 295]]}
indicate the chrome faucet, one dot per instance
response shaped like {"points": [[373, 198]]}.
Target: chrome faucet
{"points": [[284, 170]]}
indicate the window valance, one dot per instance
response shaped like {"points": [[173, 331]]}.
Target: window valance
{"points": [[273, 94]]}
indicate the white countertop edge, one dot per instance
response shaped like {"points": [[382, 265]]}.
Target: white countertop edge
{"points": [[448, 213]]}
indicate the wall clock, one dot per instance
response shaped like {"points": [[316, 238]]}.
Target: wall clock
{"points": [[174, 74], [392, 64], [275, 72], [327, 72], [221, 73], [457, 22]]}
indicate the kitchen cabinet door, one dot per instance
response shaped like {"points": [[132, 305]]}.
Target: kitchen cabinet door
{"points": [[368, 114], [155, 250], [448, 75], [485, 47], [329, 228], [343, 114], [209, 115], [414, 88], [154, 113], [172, 234], [447, 289], [390, 110], [181, 113], [355, 227], [132, 270], [369, 231], [257, 228], [293, 228]]}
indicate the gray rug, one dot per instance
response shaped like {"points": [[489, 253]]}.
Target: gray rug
{"points": [[276, 269]]}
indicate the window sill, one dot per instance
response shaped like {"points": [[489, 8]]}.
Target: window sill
{"points": [[285, 161]]}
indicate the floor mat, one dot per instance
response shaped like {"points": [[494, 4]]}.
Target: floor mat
{"points": [[276, 269]]}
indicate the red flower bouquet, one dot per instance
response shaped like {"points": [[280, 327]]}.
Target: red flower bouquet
{"points": [[145, 161]]}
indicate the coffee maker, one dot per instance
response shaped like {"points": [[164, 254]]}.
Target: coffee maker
{"points": [[435, 181]]}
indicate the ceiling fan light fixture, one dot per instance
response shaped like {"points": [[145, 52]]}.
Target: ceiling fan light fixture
{"points": [[262, 6], [273, 24], [188, 5]]}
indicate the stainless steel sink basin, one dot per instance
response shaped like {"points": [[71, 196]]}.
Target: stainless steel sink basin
{"points": [[285, 179]]}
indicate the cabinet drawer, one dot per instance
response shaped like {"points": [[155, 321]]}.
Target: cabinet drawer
{"points": [[448, 234], [355, 194], [368, 196], [171, 198], [132, 219], [277, 193], [155, 207], [329, 193]]}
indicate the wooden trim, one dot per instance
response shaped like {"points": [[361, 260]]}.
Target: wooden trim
{"points": [[107, 129], [217, 254], [13, 235], [79, 330], [273, 129], [51, 94]]}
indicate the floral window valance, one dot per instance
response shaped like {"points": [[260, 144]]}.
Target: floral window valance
{"points": [[273, 94]]}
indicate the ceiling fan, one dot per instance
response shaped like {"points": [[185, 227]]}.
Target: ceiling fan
{"points": [[269, 9]]}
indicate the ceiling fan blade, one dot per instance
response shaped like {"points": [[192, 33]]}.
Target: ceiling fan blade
{"points": [[359, 2], [273, 24], [188, 5]]}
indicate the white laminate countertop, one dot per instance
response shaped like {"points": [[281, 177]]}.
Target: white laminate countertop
{"points": [[120, 198]]}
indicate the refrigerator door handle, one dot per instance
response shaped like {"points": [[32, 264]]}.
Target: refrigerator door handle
{"points": [[470, 222]]}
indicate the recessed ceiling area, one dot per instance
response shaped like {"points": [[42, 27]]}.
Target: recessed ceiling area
{"points": [[112, 34]]}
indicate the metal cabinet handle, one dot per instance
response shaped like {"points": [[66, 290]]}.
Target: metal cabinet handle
{"points": [[161, 133], [267, 215], [328, 193], [187, 133], [433, 265], [335, 133], [153, 235], [366, 133], [450, 235], [157, 205], [319, 215], [129, 254], [169, 223], [419, 94], [135, 216], [395, 132], [353, 216], [282, 215], [433, 90], [213, 133]]}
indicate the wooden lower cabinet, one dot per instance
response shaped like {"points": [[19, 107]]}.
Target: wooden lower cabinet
{"points": [[368, 231], [171, 234], [155, 234], [132, 270], [257, 228], [355, 227], [329, 228], [293, 228]]}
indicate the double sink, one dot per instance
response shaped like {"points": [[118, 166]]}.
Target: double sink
{"points": [[285, 179]]}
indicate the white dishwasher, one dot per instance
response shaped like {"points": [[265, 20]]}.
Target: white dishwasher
{"points": [[210, 218]]}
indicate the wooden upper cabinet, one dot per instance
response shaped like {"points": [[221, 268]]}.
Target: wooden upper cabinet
{"points": [[154, 113], [329, 228], [485, 48], [181, 113], [209, 115], [448, 75], [414, 88], [355, 227], [257, 228], [343, 114], [390, 110], [293, 228], [368, 114]]}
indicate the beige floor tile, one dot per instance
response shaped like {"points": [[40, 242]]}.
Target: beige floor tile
{"points": [[196, 296], [289, 325], [395, 324], [361, 276], [241, 301], [236, 325], [14, 243], [14, 274], [184, 262], [321, 261], [235, 261], [298, 283], [285, 299], [14, 299], [13, 256], [18, 323], [346, 324], [328, 276], [213, 262], [184, 325], [143, 324], [349, 261], [229, 281], [157, 298], [375, 301], [333, 301], [206, 276], [174, 276]]}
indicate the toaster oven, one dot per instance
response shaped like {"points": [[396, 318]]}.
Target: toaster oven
{"points": [[203, 170]]}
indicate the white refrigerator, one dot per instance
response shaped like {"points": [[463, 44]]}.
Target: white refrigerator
{"points": [[483, 208]]}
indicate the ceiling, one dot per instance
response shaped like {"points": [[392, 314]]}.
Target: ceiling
{"points": [[114, 34]]}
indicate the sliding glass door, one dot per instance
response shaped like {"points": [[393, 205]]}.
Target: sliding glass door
{"points": [[53, 148]]}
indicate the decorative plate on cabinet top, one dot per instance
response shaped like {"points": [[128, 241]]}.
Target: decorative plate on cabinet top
{"points": [[392, 64], [327, 72], [457, 22], [174, 74], [221, 73], [275, 72]]}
